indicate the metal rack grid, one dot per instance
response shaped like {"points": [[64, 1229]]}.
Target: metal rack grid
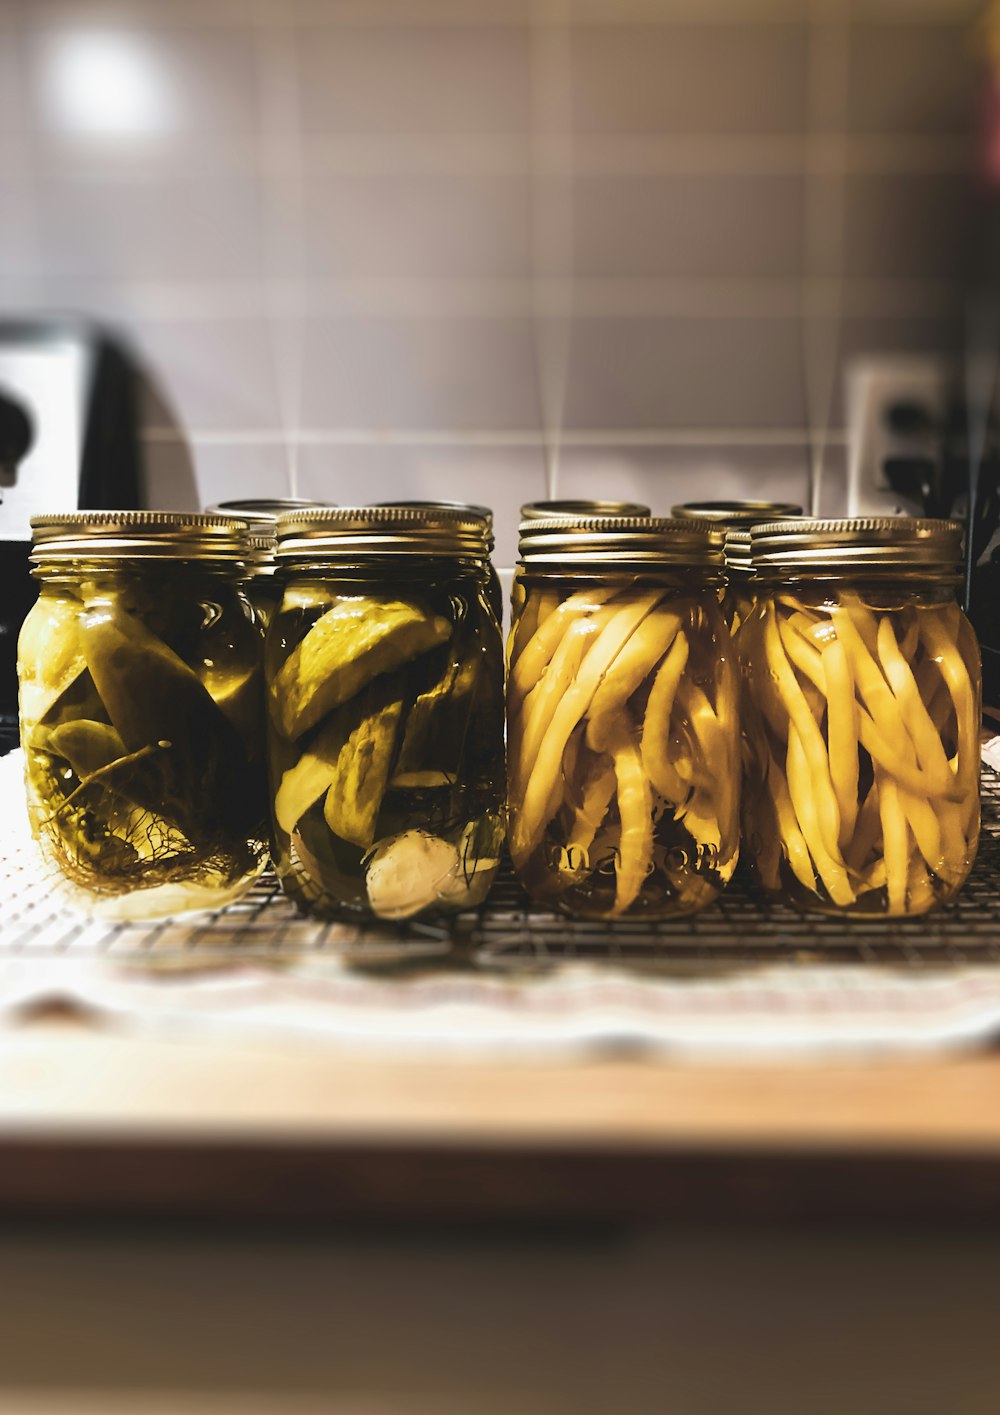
{"points": [[742, 929]]}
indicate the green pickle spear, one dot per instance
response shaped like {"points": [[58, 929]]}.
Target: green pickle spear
{"points": [[345, 650], [355, 795]]}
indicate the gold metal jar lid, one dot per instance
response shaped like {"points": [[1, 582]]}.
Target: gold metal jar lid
{"points": [[736, 513], [628, 540], [546, 510], [481, 513], [261, 515], [138, 535], [261, 510], [343, 531], [864, 543]]}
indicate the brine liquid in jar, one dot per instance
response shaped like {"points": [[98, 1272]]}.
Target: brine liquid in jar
{"points": [[622, 719]]}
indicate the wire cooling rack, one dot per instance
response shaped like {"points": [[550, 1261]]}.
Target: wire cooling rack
{"points": [[741, 929]]}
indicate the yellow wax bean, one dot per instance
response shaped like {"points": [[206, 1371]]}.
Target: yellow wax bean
{"points": [[714, 764], [867, 830], [796, 850], [803, 655], [885, 755], [588, 816], [873, 878], [655, 744], [911, 636], [828, 813], [871, 685], [862, 619], [941, 646], [629, 671], [635, 811], [930, 752], [534, 659], [925, 828], [800, 788], [895, 844], [842, 735], [919, 889], [538, 708], [530, 819]]}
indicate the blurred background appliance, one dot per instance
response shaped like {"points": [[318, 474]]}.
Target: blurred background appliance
{"points": [[68, 438]]}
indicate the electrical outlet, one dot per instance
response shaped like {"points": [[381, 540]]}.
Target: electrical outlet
{"points": [[897, 406]]}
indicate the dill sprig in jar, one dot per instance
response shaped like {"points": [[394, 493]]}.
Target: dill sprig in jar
{"points": [[142, 712]]}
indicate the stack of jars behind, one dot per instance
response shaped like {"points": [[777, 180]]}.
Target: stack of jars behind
{"points": [[142, 711], [261, 515], [736, 518], [861, 716], [623, 732], [384, 671]]}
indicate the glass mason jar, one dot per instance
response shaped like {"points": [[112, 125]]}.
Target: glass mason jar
{"points": [[484, 516], [622, 719], [861, 716], [261, 515], [384, 670], [142, 711]]}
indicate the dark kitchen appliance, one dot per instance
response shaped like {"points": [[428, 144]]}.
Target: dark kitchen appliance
{"points": [[68, 439]]}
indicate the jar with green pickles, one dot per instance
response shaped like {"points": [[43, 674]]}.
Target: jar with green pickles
{"points": [[261, 515], [861, 716], [623, 741], [141, 706], [384, 672]]}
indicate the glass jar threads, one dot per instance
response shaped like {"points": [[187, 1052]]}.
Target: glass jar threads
{"points": [[142, 711], [861, 716], [384, 670], [622, 718], [484, 516]]}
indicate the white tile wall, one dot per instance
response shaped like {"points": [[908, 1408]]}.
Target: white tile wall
{"points": [[429, 78], [685, 372], [382, 373], [490, 250], [414, 225]]}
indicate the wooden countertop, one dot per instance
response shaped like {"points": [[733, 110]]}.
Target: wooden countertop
{"points": [[92, 1122]]}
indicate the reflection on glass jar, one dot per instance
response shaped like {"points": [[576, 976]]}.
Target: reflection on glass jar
{"points": [[384, 669], [261, 515], [142, 711], [623, 733], [862, 711]]}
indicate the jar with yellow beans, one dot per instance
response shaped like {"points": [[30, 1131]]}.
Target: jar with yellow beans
{"points": [[622, 718], [861, 716]]}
